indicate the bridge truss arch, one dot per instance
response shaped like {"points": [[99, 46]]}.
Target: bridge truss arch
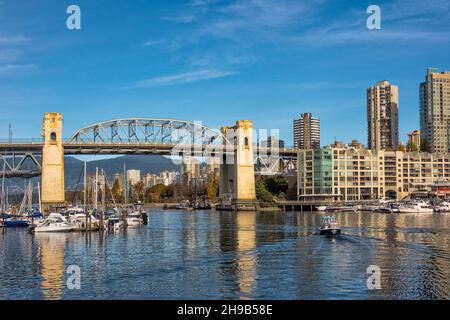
{"points": [[143, 132], [148, 131]]}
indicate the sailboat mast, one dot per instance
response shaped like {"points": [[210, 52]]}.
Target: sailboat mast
{"points": [[39, 198], [84, 187], [2, 197], [30, 196], [103, 199], [125, 187], [96, 189], [103, 191]]}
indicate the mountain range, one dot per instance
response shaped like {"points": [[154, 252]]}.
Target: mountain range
{"points": [[74, 168], [73, 171]]}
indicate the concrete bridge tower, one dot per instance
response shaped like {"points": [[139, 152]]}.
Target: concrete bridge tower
{"points": [[52, 161], [237, 173]]}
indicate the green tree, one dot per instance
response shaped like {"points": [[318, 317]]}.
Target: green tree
{"points": [[276, 185], [260, 188]]}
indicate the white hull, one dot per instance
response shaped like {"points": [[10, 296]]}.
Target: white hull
{"points": [[412, 210], [53, 228], [134, 222], [119, 225], [55, 222]]}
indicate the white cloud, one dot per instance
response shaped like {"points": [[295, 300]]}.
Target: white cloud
{"points": [[151, 43], [9, 69], [14, 39], [180, 78]]}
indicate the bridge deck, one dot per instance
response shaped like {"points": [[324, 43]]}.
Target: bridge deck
{"points": [[132, 148]]}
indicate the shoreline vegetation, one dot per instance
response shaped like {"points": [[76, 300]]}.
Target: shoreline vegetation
{"points": [[268, 191]]}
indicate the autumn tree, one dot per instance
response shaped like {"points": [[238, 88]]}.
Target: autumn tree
{"points": [[212, 187], [117, 191]]}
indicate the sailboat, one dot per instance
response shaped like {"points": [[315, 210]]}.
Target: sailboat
{"points": [[20, 220]]}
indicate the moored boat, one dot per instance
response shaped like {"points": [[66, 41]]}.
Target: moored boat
{"points": [[55, 222], [443, 207], [16, 222], [134, 219], [344, 208], [416, 207], [388, 208]]}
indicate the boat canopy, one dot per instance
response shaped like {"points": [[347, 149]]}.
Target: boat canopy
{"points": [[329, 219]]}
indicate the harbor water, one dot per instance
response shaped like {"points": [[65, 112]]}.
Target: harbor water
{"points": [[228, 255]]}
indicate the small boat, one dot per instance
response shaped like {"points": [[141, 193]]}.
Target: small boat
{"points": [[321, 208], [329, 226], [79, 221], [134, 219], [341, 209], [115, 222], [119, 225], [55, 222], [388, 208], [186, 207], [73, 210], [16, 222], [416, 207], [443, 207]]}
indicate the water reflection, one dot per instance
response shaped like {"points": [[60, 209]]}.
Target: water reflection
{"points": [[246, 260], [227, 255], [52, 263]]}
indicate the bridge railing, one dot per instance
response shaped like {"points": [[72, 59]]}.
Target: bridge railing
{"points": [[22, 141]]}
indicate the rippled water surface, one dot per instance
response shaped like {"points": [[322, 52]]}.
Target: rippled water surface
{"points": [[225, 255]]}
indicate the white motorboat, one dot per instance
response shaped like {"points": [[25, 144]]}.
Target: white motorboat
{"points": [[79, 221], [73, 210], [134, 219], [55, 222], [416, 207], [443, 207], [321, 208], [379, 205], [119, 225]]}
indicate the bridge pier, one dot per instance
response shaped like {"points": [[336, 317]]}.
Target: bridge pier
{"points": [[52, 179], [237, 173]]}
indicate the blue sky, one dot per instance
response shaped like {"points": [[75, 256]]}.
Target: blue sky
{"points": [[215, 61]]}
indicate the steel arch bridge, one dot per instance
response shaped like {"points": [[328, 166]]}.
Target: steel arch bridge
{"points": [[148, 131], [144, 136]]}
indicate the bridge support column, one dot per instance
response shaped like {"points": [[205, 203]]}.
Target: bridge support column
{"points": [[237, 179], [52, 161]]}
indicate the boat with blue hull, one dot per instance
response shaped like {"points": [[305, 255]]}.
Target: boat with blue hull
{"points": [[16, 223]]}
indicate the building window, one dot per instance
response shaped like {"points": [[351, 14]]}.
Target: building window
{"points": [[53, 136]]}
